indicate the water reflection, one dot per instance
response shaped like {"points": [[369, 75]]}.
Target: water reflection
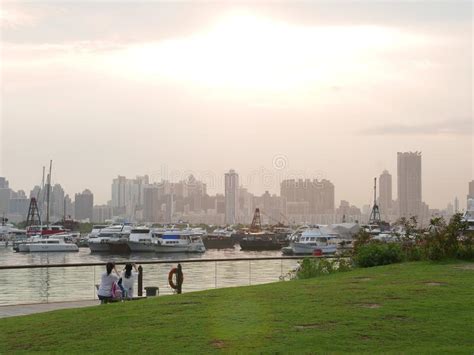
{"points": [[78, 283]]}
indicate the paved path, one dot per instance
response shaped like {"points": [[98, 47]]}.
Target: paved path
{"points": [[21, 310]]}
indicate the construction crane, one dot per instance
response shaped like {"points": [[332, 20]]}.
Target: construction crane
{"points": [[375, 214]]}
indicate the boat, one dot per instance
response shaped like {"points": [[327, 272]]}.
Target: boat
{"points": [[112, 239], [256, 239], [313, 240], [140, 240], [54, 243], [178, 242], [44, 230], [262, 241], [220, 238], [469, 216]]}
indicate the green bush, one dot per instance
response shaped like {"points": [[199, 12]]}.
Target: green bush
{"points": [[313, 267], [374, 254]]}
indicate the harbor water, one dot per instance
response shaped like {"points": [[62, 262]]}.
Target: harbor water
{"points": [[22, 286]]}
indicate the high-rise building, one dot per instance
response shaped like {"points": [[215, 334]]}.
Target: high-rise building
{"points": [[409, 183], [102, 213], [57, 201], [4, 196], [84, 205], [231, 196], [127, 195], [152, 205], [385, 192], [308, 196]]}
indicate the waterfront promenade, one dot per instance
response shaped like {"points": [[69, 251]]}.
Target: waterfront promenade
{"points": [[26, 309]]}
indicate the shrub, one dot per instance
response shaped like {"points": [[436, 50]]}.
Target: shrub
{"points": [[374, 254], [312, 267]]}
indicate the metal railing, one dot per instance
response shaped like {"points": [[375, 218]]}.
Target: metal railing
{"points": [[77, 281]]}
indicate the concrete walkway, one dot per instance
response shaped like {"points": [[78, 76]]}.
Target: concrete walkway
{"points": [[24, 309]]}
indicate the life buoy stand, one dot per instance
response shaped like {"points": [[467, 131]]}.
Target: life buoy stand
{"points": [[172, 272]]}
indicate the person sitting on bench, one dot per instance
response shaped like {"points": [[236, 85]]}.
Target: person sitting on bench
{"points": [[128, 279], [106, 282]]}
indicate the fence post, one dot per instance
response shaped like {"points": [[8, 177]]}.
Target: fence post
{"points": [[140, 281], [215, 274], [250, 272], [179, 279]]}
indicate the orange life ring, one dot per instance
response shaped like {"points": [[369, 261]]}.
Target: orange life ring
{"points": [[170, 278]]}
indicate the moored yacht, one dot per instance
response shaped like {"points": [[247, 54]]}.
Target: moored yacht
{"points": [[140, 240], [111, 239], [53, 243], [311, 240], [179, 242]]}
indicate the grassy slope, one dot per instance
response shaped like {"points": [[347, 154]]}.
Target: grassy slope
{"points": [[411, 307]]}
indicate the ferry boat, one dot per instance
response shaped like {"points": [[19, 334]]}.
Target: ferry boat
{"points": [[112, 239], [311, 240], [140, 240], [179, 242]]}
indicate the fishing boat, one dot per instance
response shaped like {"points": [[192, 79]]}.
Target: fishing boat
{"points": [[257, 239], [220, 238]]}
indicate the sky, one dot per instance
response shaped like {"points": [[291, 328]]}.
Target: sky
{"points": [[273, 90]]}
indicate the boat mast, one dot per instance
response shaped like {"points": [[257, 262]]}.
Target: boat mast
{"points": [[47, 192]]}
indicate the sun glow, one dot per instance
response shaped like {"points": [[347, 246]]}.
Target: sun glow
{"points": [[246, 52]]}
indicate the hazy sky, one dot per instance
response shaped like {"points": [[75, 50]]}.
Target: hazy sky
{"points": [[323, 89]]}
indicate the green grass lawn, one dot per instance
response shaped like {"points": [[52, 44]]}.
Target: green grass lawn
{"points": [[409, 308]]}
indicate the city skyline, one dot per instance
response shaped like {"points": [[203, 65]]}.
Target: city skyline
{"points": [[272, 182], [207, 87]]}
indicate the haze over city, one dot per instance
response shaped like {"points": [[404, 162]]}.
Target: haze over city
{"points": [[280, 90]]}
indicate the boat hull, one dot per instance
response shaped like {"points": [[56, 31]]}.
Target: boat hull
{"points": [[141, 247], [35, 248], [308, 249], [261, 244], [119, 247], [99, 247], [219, 242]]}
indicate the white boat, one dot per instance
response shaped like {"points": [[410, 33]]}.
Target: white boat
{"points": [[469, 215], [54, 243], [179, 242], [313, 239], [140, 240], [110, 239]]}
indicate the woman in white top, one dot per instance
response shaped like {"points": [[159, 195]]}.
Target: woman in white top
{"points": [[128, 279], [106, 282]]}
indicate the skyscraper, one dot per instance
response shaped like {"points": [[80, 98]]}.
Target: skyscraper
{"points": [[409, 183], [84, 205], [470, 195], [385, 192], [231, 196]]}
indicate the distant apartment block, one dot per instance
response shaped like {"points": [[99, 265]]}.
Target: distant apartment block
{"points": [[231, 197], [83, 206], [385, 192], [409, 184]]}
